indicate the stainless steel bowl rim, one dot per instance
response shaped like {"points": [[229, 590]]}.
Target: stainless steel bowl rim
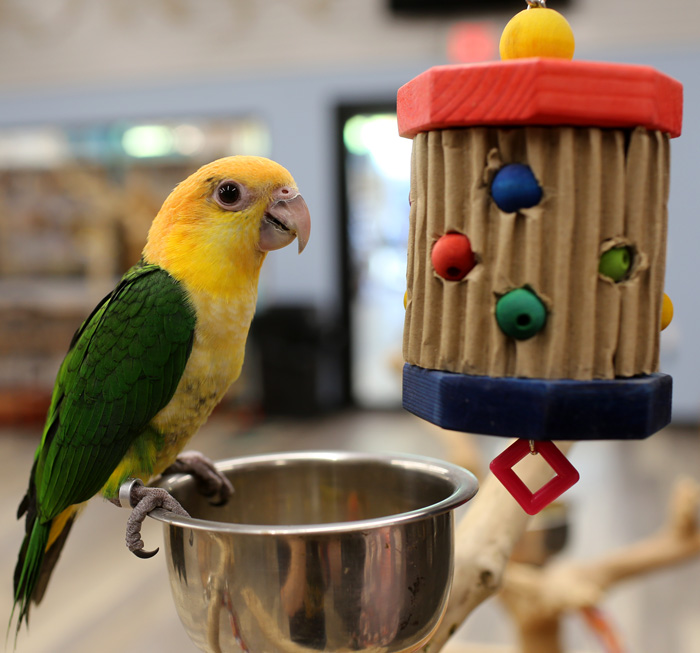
{"points": [[464, 485]]}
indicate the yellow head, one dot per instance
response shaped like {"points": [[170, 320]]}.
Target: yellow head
{"points": [[214, 229]]}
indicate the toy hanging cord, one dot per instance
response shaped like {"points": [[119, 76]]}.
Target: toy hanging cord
{"points": [[537, 247]]}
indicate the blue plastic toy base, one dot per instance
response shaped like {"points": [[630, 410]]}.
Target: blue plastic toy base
{"points": [[540, 409]]}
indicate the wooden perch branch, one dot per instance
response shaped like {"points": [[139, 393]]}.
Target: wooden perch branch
{"points": [[678, 540], [484, 541], [538, 597]]}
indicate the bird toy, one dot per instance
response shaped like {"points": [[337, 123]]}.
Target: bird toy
{"points": [[537, 245]]}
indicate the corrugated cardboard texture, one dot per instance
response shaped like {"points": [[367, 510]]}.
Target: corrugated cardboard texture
{"points": [[601, 188]]}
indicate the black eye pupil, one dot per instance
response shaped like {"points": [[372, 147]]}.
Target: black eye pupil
{"points": [[228, 193]]}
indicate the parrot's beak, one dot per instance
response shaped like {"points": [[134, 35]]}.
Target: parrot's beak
{"points": [[287, 217]]}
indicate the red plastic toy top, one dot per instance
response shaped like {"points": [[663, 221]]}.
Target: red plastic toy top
{"points": [[541, 91]]}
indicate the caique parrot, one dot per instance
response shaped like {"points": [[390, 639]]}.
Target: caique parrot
{"points": [[147, 367]]}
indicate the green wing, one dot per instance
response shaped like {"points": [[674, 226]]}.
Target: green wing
{"points": [[122, 368]]}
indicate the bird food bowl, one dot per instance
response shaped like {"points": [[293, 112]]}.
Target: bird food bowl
{"points": [[316, 551]]}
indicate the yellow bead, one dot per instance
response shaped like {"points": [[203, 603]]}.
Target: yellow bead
{"points": [[405, 300], [666, 312], [537, 32]]}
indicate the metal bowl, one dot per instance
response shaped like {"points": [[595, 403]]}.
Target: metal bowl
{"points": [[316, 551]]}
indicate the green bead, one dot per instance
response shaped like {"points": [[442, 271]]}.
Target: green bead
{"points": [[616, 263], [521, 314]]}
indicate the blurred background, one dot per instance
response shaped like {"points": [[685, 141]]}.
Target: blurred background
{"points": [[104, 107]]}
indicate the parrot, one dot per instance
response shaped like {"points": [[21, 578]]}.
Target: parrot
{"points": [[149, 364]]}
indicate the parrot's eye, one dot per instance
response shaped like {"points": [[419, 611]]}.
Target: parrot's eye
{"points": [[228, 194]]}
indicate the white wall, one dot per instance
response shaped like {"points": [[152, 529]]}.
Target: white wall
{"points": [[57, 42]]}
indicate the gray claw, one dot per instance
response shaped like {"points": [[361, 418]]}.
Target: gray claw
{"points": [[145, 555], [143, 500], [210, 481]]}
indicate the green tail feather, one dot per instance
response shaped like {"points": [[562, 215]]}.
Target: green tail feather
{"points": [[28, 570]]}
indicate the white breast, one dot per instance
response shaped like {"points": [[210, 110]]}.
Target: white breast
{"points": [[214, 364]]}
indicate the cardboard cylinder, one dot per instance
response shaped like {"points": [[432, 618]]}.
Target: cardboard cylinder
{"points": [[602, 188]]}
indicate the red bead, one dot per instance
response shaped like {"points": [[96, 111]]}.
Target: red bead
{"points": [[452, 256]]}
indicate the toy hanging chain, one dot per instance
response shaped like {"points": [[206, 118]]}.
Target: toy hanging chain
{"points": [[535, 286]]}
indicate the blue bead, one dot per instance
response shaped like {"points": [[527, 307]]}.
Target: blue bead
{"points": [[514, 187]]}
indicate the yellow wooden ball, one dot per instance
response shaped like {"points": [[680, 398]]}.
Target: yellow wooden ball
{"points": [[537, 32], [666, 312]]}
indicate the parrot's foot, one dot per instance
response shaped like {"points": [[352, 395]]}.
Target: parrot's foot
{"points": [[211, 483], [142, 500]]}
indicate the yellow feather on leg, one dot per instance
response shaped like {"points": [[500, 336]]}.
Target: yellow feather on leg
{"points": [[60, 522]]}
